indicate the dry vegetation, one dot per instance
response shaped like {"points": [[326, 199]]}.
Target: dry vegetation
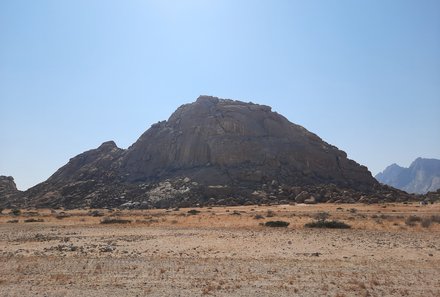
{"points": [[390, 250]]}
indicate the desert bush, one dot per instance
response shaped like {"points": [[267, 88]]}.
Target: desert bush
{"points": [[12, 221], [270, 213], [1, 209], [193, 212], [426, 222], [322, 216], [32, 220], [235, 213], [435, 219], [62, 215], [15, 212], [96, 213], [258, 217], [31, 214], [108, 220], [277, 224], [412, 220], [328, 224]]}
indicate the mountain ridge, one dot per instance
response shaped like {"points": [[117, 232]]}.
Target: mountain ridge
{"points": [[422, 176]]}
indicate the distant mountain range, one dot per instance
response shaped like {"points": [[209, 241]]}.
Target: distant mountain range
{"points": [[421, 177]]}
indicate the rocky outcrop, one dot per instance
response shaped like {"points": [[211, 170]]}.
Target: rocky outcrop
{"points": [[421, 177], [82, 180], [212, 152], [230, 142], [8, 189]]}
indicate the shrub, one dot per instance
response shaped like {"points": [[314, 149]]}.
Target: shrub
{"points": [[426, 222], [193, 212], [96, 213], [411, 220], [108, 220], [12, 221], [435, 219], [277, 224], [258, 217], [270, 213], [62, 215], [15, 212], [328, 224], [322, 216]]}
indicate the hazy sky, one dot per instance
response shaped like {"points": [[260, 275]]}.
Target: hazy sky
{"points": [[363, 75]]}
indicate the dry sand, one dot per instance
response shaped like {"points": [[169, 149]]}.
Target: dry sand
{"points": [[223, 251]]}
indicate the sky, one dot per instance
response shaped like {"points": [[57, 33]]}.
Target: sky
{"points": [[363, 75]]}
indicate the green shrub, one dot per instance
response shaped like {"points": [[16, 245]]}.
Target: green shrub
{"points": [[328, 224], [277, 224], [15, 212], [193, 212]]}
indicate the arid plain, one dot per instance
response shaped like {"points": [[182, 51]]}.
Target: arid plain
{"points": [[390, 250]]}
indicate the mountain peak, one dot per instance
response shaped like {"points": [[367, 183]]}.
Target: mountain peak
{"points": [[237, 146], [207, 99], [422, 176], [108, 145]]}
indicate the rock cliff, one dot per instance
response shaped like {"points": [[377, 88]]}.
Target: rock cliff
{"points": [[222, 142]]}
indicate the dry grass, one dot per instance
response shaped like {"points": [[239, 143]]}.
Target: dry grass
{"points": [[223, 251]]}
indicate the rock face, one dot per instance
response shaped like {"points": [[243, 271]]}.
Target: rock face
{"points": [[89, 175], [230, 142], [209, 152], [421, 177], [8, 189]]}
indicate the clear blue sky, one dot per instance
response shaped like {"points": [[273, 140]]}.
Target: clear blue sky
{"points": [[363, 75]]}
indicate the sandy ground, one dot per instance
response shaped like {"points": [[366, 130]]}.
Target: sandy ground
{"points": [[223, 252]]}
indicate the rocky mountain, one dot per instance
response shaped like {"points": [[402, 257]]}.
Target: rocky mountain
{"points": [[421, 177], [230, 142], [8, 189], [212, 151]]}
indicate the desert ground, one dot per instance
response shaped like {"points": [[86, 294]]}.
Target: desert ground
{"points": [[390, 250]]}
